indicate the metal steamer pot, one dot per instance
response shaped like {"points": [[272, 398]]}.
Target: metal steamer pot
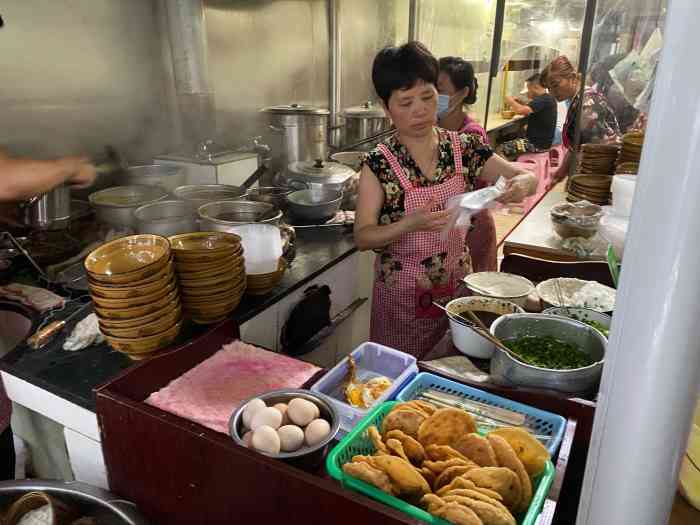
{"points": [[303, 131], [362, 122]]}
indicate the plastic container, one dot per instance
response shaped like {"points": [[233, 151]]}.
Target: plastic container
{"points": [[613, 228], [262, 247], [372, 360], [542, 422], [623, 187], [357, 442]]}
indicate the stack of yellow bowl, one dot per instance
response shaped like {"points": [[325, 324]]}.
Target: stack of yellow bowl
{"points": [[133, 287], [211, 271]]}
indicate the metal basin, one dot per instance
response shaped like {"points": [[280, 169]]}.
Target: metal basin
{"points": [[105, 507], [166, 218], [115, 206], [200, 194], [316, 204], [507, 370], [222, 215]]}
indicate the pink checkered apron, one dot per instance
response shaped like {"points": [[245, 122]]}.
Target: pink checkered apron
{"points": [[403, 316]]}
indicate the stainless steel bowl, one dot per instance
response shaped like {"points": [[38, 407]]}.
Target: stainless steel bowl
{"points": [[219, 216], [115, 206], [316, 204], [166, 218], [105, 507], [166, 176], [200, 194], [309, 458], [506, 369], [275, 195]]}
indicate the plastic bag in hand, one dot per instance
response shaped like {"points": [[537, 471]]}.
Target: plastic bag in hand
{"points": [[465, 205]]}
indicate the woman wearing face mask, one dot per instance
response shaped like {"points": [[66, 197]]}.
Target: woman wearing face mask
{"points": [[457, 87], [405, 184]]}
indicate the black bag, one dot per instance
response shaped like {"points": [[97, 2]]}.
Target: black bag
{"points": [[310, 315]]}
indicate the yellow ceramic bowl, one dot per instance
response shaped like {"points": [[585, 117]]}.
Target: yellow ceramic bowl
{"points": [[217, 268], [121, 324], [136, 348], [161, 324], [131, 291], [204, 242], [165, 270], [234, 273], [210, 257], [128, 259], [132, 302], [212, 311], [189, 294], [137, 311], [216, 299]]}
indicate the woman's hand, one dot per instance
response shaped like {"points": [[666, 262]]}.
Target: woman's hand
{"points": [[82, 172], [519, 187], [425, 220]]}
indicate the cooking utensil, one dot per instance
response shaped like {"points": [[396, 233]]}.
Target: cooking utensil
{"points": [[43, 335], [317, 205], [115, 206], [24, 252], [165, 218], [362, 122], [506, 369], [224, 215], [254, 177], [320, 174], [48, 211], [166, 176]]}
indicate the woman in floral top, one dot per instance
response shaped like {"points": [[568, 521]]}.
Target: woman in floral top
{"points": [[404, 187], [598, 121]]}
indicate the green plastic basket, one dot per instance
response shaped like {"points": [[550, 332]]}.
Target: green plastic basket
{"points": [[614, 265], [357, 442]]}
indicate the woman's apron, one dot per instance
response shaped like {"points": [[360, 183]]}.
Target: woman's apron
{"points": [[419, 268]]}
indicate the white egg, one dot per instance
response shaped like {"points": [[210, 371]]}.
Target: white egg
{"points": [[247, 437], [301, 412], [282, 407], [291, 437], [265, 439], [268, 416], [253, 406], [316, 432]]}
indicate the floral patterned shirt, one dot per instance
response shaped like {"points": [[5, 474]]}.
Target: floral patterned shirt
{"points": [[475, 153], [598, 120]]}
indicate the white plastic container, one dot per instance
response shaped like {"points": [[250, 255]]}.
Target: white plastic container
{"points": [[372, 360], [623, 187], [262, 247]]}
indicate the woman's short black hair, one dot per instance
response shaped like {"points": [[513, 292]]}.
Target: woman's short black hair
{"points": [[536, 78], [402, 67], [461, 75]]}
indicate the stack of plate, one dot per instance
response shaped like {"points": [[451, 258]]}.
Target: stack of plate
{"points": [[211, 271], [591, 188], [598, 158], [631, 151], [133, 287], [263, 283], [627, 168]]}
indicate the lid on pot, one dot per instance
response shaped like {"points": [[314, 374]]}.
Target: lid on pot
{"points": [[368, 109], [295, 109], [320, 171]]}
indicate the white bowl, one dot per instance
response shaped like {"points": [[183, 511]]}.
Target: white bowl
{"points": [[601, 298], [465, 339], [500, 285]]}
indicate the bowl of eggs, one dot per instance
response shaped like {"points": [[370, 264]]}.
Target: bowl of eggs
{"points": [[293, 425]]}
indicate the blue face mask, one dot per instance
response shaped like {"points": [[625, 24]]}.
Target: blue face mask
{"points": [[443, 104]]}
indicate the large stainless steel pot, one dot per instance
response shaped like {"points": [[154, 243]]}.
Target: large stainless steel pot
{"points": [[50, 211], [222, 215], [198, 195], [115, 206], [166, 218], [362, 122], [320, 174], [303, 131], [316, 205], [506, 369], [166, 176], [105, 507]]}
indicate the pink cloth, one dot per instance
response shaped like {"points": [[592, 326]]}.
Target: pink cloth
{"points": [[403, 316], [210, 392]]}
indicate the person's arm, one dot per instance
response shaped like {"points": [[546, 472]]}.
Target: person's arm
{"points": [[562, 171], [21, 179], [520, 109], [521, 183], [369, 234]]}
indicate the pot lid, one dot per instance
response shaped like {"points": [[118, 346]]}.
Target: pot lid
{"points": [[295, 109], [368, 109], [320, 171]]}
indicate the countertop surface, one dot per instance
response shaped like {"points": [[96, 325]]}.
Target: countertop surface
{"points": [[534, 236], [73, 375]]}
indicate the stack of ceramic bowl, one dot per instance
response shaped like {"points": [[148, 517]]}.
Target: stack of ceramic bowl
{"points": [[631, 151], [211, 271], [591, 188], [133, 287], [264, 283], [598, 159]]}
